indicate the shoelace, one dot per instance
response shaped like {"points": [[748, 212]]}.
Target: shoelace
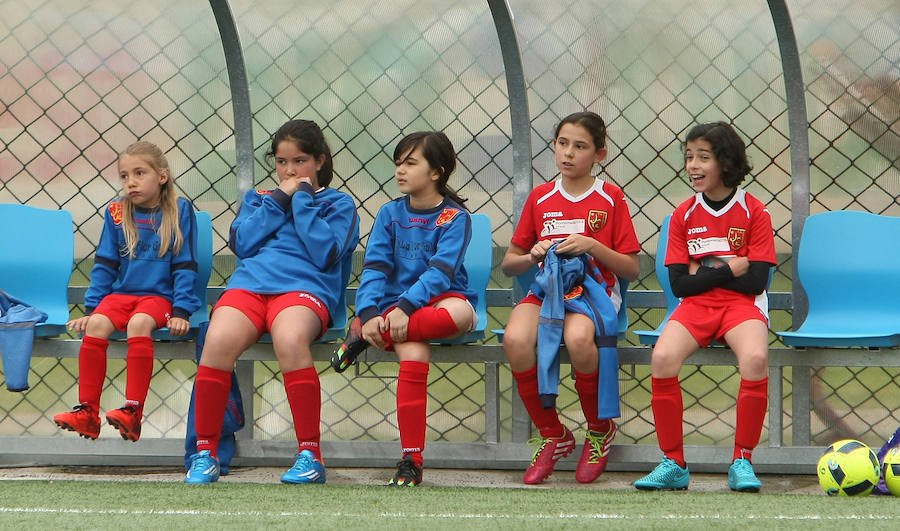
{"points": [[406, 469], [596, 442], [130, 408], [667, 473], [303, 463], [743, 468], [540, 443], [201, 463], [82, 407]]}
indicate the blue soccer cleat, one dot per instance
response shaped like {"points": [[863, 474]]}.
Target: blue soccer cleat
{"points": [[666, 476], [742, 478], [307, 469], [204, 469]]}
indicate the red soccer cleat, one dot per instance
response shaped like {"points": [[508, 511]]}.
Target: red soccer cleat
{"points": [[548, 452], [83, 420], [127, 420], [595, 454]]}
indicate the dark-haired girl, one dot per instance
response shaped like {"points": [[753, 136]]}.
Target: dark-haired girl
{"points": [[414, 287], [587, 216], [721, 246], [291, 242]]}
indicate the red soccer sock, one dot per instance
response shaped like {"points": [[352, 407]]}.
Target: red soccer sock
{"points": [[752, 401], [546, 420], [430, 323], [412, 404], [586, 385], [138, 369], [304, 394], [668, 412], [91, 370], [210, 399]]}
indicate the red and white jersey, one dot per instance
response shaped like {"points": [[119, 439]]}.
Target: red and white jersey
{"points": [[743, 227], [551, 213]]}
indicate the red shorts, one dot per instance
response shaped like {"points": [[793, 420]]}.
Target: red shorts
{"points": [[262, 309], [706, 323], [120, 309], [442, 296]]}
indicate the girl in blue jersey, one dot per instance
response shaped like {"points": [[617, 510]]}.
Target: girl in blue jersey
{"points": [[143, 279], [291, 242], [414, 287]]}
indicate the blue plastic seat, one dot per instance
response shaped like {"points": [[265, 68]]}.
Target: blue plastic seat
{"points": [[204, 270], [649, 337], [848, 265], [478, 262], [36, 256], [339, 319]]}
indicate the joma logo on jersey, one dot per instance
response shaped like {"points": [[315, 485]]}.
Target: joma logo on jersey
{"points": [[554, 214], [736, 237], [697, 230], [596, 220]]}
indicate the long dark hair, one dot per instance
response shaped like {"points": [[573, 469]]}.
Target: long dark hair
{"points": [[438, 151], [727, 147], [309, 138]]}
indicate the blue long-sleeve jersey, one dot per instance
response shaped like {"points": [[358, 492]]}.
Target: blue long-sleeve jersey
{"points": [[414, 255], [294, 243], [171, 276]]}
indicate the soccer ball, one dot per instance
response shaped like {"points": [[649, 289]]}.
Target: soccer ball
{"points": [[848, 468], [890, 470]]}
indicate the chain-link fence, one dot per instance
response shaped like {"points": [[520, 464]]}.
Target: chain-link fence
{"points": [[80, 80]]}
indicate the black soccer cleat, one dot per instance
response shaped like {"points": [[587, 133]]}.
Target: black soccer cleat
{"points": [[351, 348], [409, 474]]}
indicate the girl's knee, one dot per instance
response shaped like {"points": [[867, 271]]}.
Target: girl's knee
{"points": [[140, 324], [664, 363], [754, 364]]}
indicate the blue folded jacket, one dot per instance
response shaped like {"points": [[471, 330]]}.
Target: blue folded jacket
{"points": [[553, 284]]}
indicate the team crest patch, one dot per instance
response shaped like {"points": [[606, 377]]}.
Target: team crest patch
{"points": [[446, 216], [736, 237], [574, 293], [115, 211], [596, 220]]}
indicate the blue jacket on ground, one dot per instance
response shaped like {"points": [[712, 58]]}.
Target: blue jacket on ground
{"points": [[554, 285], [146, 273]]}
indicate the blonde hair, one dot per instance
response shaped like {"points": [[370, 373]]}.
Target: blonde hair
{"points": [[168, 230]]}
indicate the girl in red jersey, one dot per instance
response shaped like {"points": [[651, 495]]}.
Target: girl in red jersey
{"points": [[721, 246], [584, 215]]}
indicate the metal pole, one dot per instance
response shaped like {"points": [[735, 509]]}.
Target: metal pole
{"points": [[240, 96], [798, 131]]}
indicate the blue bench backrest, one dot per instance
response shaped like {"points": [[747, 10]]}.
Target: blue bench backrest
{"points": [[339, 318], [849, 266], [36, 255], [478, 261], [649, 337]]}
